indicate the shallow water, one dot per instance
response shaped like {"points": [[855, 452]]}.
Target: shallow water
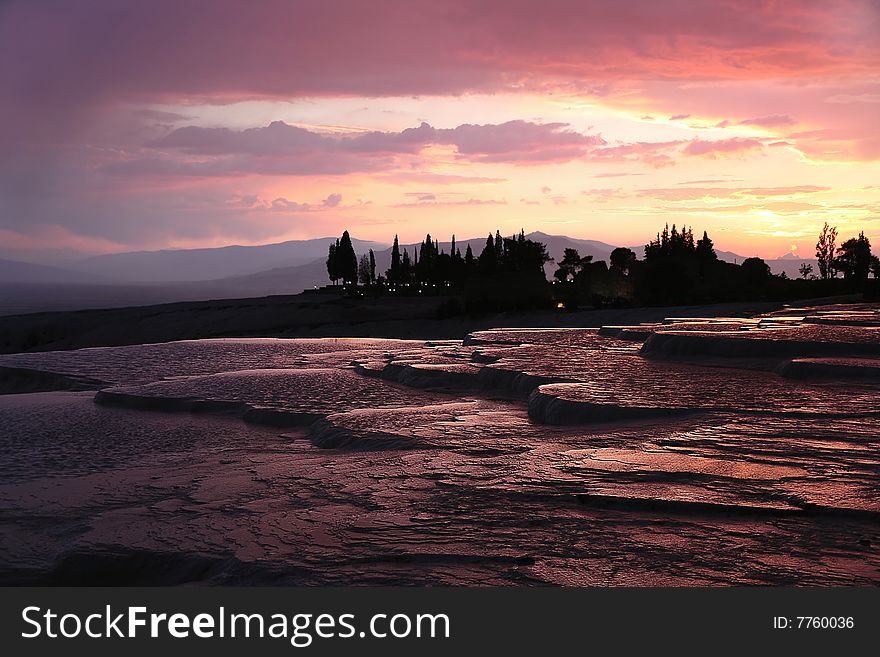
{"points": [[517, 457]]}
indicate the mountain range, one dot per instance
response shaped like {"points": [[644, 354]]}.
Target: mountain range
{"points": [[16, 271], [233, 271], [179, 265]]}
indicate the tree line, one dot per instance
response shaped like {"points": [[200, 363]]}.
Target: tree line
{"points": [[853, 259], [676, 268], [430, 264]]}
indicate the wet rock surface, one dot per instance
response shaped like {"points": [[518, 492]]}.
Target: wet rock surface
{"points": [[526, 456]]}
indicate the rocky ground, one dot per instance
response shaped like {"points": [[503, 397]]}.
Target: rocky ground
{"points": [[671, 452]]}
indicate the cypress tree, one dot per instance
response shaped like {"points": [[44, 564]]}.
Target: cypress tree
{"points": [[332, 263], [489, 256], [705, 249], [394, 272], [405, 268], [348, 262]]}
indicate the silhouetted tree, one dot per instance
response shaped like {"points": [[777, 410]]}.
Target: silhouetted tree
{"points": [[570, 265], [622, 260], [672, 244], [426, 268], [489, 257], [405, 268], [705, 249], [363, 270], [854, 259], [521, 255], [348, 262], [825, 251], [875, 267], [510, 273], [333, 262], [678, 269], [755, 272], [664, 281], [394, 273]]}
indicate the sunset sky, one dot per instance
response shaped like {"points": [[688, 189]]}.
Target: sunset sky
{"points": [[143, 125]]}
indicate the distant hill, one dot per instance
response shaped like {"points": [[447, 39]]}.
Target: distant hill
{"points": [[238, 271], [556, 245], [279, 280], [182, 265], [294, 278], [297, 273], [13, 271], [790, 264]]}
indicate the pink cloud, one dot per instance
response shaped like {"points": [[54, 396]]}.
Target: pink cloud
{"points": [[58, 54], [848, 99], [691, 193], [71, 71], [848, 129], [770, 121], [849, 143], [278, 138], [721, 146], [430, 201], [656, 154], [605, 194], [422, 196], [54, 236], [332, 201], [306, 164], [283, 204], [518, 141], [431, 177], [706, 181], [282, 149]]}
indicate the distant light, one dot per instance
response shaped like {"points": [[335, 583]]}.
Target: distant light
{"points": [[560, 306]]}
